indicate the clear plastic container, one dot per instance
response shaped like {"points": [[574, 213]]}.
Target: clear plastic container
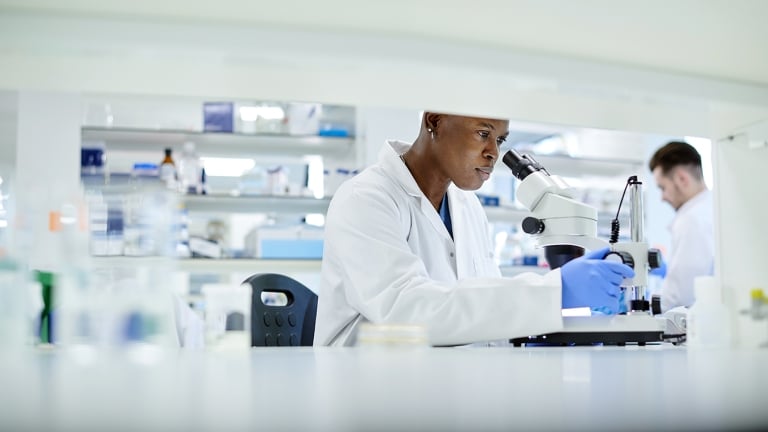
{"points": [[392, 336], [131, 300], [708, 323], [253, 182], [145, 173], [190, 170]]}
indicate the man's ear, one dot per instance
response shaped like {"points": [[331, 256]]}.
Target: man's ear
{"points": [[681, 176]]}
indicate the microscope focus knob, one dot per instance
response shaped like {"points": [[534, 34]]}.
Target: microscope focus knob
{"points": [[532, 225], [622, 257], [654, 258]]}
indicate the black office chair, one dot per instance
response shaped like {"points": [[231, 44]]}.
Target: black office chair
{"points": [[290, 325]]}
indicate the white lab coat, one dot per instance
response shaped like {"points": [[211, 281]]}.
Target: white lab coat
{"points": [[190, 329], [692, 252], [388, 258]]}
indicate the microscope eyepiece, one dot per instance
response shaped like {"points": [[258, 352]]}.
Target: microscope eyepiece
{"points": [[521, 165]]}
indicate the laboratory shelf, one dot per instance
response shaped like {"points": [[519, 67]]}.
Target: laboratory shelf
{"points": [[219, 144], [255, 204], [204, 265], [201, 265]]}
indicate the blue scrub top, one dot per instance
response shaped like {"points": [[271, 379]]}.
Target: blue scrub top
{"points": [[445, 215]]}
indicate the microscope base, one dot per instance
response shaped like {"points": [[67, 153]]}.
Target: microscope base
{"points": [[607, 330]]}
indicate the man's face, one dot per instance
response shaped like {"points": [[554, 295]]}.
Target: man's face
{"points": [[468, 147], [670, 187]]}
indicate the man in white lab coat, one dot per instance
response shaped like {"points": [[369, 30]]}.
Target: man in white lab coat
{"points": [[677, 170], [407, 242]]}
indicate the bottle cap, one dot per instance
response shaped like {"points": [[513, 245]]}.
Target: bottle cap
{"points": [[144, 166], [757, 294]]}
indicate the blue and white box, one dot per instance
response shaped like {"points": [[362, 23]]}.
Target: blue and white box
{"points": [[286, 242], [218, 116]]}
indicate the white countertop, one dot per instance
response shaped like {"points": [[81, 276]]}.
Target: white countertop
{"points": [[658, 387]]}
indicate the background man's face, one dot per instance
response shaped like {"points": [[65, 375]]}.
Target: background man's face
{"points": [[670, 187]]}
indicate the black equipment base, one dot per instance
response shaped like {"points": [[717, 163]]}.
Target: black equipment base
{"points": [[576, 338]]}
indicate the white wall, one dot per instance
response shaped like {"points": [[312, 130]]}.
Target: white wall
{"points": [[47, 165], [378, 124], [8, 122]]}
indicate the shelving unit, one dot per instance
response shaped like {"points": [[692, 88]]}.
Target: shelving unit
{"points": [[255, 204], [128, 142], [220, 266], [219, 144]]}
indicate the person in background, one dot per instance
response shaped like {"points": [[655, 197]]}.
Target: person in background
{"points": [[676, 168], [407, 242]]}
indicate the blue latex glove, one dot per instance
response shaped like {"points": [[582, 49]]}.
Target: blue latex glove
{"points": [[622, 306], [661, 270], [593, 282]]}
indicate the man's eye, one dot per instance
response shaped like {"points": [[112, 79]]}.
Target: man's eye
{"points": [[500, 141], [484, 134]]}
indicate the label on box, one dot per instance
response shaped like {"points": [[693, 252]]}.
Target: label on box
{"points": [[218, 116]]}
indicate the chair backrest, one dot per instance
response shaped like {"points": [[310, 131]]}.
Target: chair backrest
{"points": [[290, 325]]}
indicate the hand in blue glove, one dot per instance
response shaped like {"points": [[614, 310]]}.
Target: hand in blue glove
{"points": [[593, 282], [622, 306], [661, 270]]}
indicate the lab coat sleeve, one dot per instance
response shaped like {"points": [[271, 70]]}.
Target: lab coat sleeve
{"points": [[366, 248], [190, 328], [692, 255]]}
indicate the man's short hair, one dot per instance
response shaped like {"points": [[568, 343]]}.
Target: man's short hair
{"points": [[674, 154]]}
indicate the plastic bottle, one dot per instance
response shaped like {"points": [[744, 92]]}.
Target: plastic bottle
{"points": [[190, 170], [203, 180], [168, 170], [708, 325]]}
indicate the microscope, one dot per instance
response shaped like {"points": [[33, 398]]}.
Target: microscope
{"points": [[559, 222]]}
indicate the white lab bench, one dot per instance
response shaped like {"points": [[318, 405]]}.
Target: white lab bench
{"points": [[660, 387]]}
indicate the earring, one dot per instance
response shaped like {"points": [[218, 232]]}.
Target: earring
{"points": [[429, 130]]}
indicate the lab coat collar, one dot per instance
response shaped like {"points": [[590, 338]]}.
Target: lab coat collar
{"points": [[693, 202], [688, 206], [389, 158]]}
